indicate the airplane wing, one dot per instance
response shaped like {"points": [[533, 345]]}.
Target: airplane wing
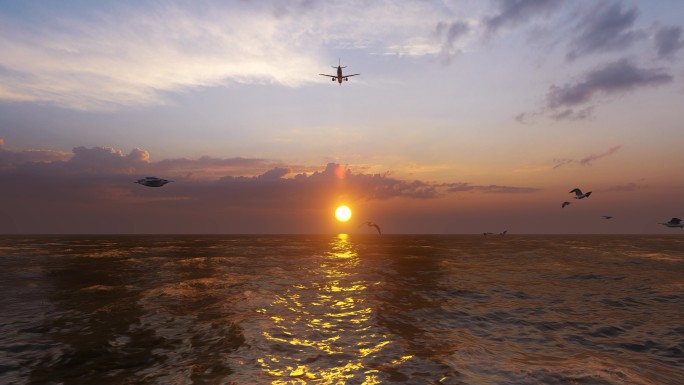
{"points": [[346, 76], [332, 76]]}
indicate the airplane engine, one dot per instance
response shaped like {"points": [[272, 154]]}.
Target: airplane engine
{"points": [[346, 79], [333, 79]]}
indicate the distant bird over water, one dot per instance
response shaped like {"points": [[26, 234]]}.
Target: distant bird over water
{"points": [[606, 217], [579, 194], [372, 224], [565, 204], [674, 222], [151, 181]]}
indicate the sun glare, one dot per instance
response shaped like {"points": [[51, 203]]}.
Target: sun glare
{"points": [[343, 213]]}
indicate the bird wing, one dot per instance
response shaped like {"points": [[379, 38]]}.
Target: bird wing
{"points": [[675, 220], [576, 191]]}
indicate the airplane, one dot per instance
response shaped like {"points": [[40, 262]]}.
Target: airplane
{"points": [[339, 77], [151, 181]]}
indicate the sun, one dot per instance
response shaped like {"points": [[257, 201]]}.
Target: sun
{"points": [[343, 213]]}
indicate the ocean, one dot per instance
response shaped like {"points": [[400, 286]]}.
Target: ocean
{"points": [[342, 309]]}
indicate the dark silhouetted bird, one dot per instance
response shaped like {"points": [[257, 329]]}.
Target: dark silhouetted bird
{"points": [[579, 194], [372, 224]]}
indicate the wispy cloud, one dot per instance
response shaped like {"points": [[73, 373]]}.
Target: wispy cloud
{"points": [[604, 27], [130, 56], [460, 187], [614, 78], [558, 163], [627, 187], [448, 35], [511, 13], [587, 160], [668, 41]]}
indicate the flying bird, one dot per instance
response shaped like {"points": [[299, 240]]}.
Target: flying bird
{"points": [[504, 233], [674, 222], [565, 204], [372, 224], [579, 194], [607, 217], [151, 181]]}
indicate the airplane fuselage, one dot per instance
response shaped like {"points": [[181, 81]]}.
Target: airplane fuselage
{"points": [[339, 75]]}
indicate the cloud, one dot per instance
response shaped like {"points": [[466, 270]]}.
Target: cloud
{"points": [[106, 174], [558, 163], [586, 161], [605, 27], [448, 35], [627, 187], [107, 160], [668, 41], [514, 12], [115, 56], [571, 114], [614, 78], [92, 191], [460, 187], [131, 56], [10, 158]]}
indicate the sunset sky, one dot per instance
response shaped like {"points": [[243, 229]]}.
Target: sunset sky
{"points": [[469, 116]]}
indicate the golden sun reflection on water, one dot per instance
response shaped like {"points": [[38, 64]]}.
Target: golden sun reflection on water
{"points": [[324, 331]]}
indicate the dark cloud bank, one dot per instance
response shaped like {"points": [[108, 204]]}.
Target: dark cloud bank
{"points": [[93, 191]]}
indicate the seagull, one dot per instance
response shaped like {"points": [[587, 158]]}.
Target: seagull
{"points": [[674, 222], [504, 233], [372, 224], [607, 217], [565, 204], [151, 181], [579, 194]]}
